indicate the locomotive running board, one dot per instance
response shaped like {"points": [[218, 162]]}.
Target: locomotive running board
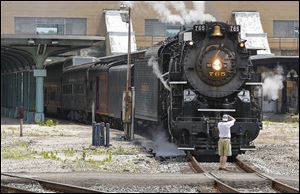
{"points": [[215, 110], [184, 148], [248, 149]]}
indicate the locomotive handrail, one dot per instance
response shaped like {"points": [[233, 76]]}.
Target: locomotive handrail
{"points": [[215, 110], [215, 118]]}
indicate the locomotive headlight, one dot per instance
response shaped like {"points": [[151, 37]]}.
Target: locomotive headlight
{"points": [[191, 43], [217, 65]]}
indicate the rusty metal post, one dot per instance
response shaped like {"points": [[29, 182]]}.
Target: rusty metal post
{"points": [[21, 116], [21, 127]]}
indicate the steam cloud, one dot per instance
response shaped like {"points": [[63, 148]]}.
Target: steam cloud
{"points": [[273, 81], [153, 63], [163, 9], [161, 146]]}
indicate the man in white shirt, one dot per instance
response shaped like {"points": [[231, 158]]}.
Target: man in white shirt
{"points": [[224, 144]]}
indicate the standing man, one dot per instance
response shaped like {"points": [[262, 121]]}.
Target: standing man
{"points": [[224, 144]]}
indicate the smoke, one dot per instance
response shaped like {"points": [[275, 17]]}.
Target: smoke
{"points": [[153, 63], [163, 9], [161, 146], [272, 83]]}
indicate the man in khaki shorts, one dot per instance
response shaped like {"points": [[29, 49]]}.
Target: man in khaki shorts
{"points": [[224, 144]]}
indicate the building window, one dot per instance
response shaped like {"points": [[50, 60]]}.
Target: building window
{"points": [[59, 26], [154, 27], [286, 28]]}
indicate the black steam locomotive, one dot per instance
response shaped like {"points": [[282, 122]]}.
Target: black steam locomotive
{"points": [[184, 85]]}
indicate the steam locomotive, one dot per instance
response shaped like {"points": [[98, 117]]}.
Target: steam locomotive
{"points": [[183, 85]]}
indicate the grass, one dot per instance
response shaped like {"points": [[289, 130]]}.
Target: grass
{"points": [[267, 123], [48, 123], [120, 151], [15, 153], [99, 164], [20, 152], [22, 144], [49, 155], [70, 152]]}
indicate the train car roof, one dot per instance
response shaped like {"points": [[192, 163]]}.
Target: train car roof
{"points": [[108, 59], [271, 61], [105, 62]]}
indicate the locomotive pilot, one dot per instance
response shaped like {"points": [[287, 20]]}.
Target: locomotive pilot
{"points": [[224, 144]]}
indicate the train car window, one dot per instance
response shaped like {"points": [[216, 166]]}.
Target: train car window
{"points": [[67, 89], [78, 88]]}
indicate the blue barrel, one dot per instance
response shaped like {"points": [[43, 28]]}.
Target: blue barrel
{"points": [[102, 137], [107, 134], [93, 133], [97, 135]]}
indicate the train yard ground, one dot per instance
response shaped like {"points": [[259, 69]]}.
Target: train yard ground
{"points": [[64, 153]]}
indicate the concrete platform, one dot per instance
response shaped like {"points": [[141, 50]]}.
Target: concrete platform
{"points": [[87, 179]]}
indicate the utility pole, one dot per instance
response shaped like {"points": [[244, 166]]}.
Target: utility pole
{"points": [[127, 116], [128, 88]]}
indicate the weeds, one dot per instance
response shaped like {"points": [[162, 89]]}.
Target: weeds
{"points": [[49, 155], [84, 154], [69, 152], [120, 151], [17, 153], [48, 123], [22, 144]]}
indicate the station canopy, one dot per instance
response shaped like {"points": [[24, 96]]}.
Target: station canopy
{"points": [[22, 52]]}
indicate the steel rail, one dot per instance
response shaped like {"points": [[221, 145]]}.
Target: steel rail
{"points": [[193, 163], [276, 185], [9, 189], [54, 186], [224, 188], [221, 186]]}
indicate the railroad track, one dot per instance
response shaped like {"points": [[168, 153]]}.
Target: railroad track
{"points": [[47, 185], [221, 186], [276, 185]]}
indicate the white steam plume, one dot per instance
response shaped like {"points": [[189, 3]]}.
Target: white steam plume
{"points": [[161, 146], [185, 16], [152, 62], [272, 83], [164, 147]]}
